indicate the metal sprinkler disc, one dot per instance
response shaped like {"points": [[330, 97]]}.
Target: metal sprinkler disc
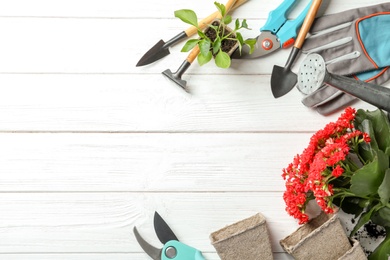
{"points": [[311, 73]]}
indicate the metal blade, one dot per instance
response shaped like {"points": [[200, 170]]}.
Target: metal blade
{"points": [[153, 252], [158, 51], [266, 43], [163, 231]]}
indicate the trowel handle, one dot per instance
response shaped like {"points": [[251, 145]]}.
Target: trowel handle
{"points": [[311, 14], [206, 21], [229, 5], [376, 95], [193, 54]]}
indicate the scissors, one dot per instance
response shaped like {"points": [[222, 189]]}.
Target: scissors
{"points": [[172, 249], [278, 31]]}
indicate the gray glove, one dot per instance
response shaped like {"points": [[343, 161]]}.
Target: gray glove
{"points": [[350, 42]]}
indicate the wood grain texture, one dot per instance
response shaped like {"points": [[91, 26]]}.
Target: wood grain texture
{"points": [[116, 256], [146, 162], [92, 145], [152, 103], [103, 222]]}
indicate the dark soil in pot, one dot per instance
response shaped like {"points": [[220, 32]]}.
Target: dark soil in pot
{"points": [[369, 234], [226, 44]]}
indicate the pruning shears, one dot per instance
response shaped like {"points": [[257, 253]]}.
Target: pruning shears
{"points": [[278, 31], [172, 248]]}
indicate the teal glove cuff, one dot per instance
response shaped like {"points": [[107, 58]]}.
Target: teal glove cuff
{"points": [[374, 37]]}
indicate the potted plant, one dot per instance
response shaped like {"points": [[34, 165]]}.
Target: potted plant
{"points": [[345, 166], [217, 40]]}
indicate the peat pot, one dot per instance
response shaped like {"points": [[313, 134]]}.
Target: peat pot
{"points": [[322, 238], [247, 239]]}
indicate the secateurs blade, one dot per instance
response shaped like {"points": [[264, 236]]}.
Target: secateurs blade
{"points": [[172, 248]]}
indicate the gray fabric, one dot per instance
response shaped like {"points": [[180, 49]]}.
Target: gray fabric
{"points": [[334, 38], [331, 20]]}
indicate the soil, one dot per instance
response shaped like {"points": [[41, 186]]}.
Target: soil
{"points": [[369, 232], [226, 45]]}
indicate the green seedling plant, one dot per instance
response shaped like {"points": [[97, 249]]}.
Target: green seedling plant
{"points": [[210, 48]]}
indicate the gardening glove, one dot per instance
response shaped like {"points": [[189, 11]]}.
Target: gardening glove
{"points": [[350, 42], [327, 99]]}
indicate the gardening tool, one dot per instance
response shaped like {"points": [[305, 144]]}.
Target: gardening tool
{"points": [[278, 32], [176, 76], [327, 99], [172, 249], [313, 74], [161, 48], [352, 43], [283, 79]]}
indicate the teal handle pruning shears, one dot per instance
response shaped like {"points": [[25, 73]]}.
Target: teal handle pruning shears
{"points": [[277, 32], [285, 30], [172, 249], [179, 251]]}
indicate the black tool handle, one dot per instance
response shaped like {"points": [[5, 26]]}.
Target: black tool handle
{"points": [[376, 95]]}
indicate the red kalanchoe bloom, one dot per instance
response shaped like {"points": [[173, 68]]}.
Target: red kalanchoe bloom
{"points": [[322, 161], [338, 171]]}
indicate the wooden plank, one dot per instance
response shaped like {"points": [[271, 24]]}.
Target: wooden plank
{"points": [[148, 8], [117, 256], [135, 103], [146, 162], [103, 222], [101, 46]]}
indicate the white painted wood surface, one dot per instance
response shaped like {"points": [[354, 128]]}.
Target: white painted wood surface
{"points": [[92, 145]]}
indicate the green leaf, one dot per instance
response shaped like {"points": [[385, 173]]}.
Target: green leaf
{"points": [[240, 38], [222, 60], [366, 150], [383, 250], [187, 16], [245, 25], [382, 217], [221, 8], [204, 46], [217, 45], [251, 43], [384, 188], [364, 218], [203, 59], [367, 179], [227, 19], [237, 25], [381, 126], [189, 45]]}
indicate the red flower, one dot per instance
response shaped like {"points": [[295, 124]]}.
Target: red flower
{"points": [[338, 171], [321, 161]]}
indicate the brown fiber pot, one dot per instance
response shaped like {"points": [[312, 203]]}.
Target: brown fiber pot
{"points": [[322, 238], [247, 239], [355, 253]]}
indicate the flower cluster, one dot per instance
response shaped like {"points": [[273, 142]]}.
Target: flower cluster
{"points": [[328, 157]]}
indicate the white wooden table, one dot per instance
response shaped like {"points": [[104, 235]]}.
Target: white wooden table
{"points": [[92, 145]]}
